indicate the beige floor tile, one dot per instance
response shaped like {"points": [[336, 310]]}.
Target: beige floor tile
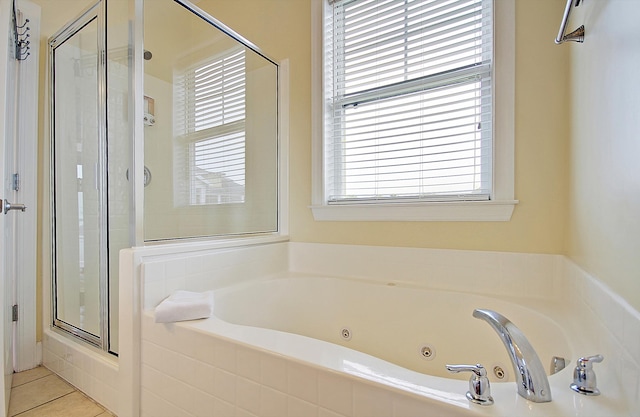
{"points": [[70, 405], [30, 375], [35, 393]]}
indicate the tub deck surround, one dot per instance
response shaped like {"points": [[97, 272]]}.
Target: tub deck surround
{"points": [[191, 368], [214, 367]]}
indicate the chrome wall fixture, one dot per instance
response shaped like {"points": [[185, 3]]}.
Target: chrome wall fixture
{"points": [[575, 36]]}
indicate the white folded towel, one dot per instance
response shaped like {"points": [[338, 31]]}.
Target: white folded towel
{"points": [[185, 305]]}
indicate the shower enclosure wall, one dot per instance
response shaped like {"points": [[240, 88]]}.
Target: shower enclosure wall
{"points": [[210, 130], [158, 135], [90, 155]]}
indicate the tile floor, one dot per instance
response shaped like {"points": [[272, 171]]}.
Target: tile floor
{"points": [[39, 392]]}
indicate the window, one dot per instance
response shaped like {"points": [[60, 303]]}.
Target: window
{"points": [[210, 124], [408, 111]]}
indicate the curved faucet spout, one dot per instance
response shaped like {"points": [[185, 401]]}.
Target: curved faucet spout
{"points": [[531, 378]]}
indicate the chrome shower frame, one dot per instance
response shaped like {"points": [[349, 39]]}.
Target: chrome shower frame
{"points": [[94, 12]]}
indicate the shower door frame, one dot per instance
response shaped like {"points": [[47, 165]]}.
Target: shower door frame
{"points": [[95, 12]]}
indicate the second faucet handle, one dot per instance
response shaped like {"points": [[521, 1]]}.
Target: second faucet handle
{"points": [[479, 388], [584, 378]]}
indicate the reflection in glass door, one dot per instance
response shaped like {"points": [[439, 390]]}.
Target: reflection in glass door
{"points": [[80, 217], [213, 146]]}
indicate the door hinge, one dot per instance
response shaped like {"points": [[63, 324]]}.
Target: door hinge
{"points": [[14, 312], [16, 182]]}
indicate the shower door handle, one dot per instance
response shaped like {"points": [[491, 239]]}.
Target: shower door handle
{"points": [[6, 206]]}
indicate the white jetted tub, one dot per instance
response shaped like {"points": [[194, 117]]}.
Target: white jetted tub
{"points": [[297, 345], [414, 328]]}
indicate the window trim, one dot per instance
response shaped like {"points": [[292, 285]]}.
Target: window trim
{"points": [[500, 208]]}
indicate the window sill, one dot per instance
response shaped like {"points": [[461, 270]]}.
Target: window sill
{"points": [[449, 211]]}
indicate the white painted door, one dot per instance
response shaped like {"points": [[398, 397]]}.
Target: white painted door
{"points": [[7, 93], [18, 160], [25, 153]]}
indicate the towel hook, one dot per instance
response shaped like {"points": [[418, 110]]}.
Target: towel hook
{"points": [[575, 36], [21, 36]]}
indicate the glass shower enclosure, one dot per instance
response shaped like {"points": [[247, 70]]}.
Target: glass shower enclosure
{"points": [[90, 155], [79, 126], [176, 139], [211, 130]]}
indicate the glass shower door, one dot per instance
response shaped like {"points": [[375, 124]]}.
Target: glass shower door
{"points": [[79, 170]]}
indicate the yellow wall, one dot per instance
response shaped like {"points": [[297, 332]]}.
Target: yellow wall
{"points": [[282, 29], [604, 213], [576, 179], [577, 142]]}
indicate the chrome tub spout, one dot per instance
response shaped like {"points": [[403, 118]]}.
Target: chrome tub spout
{"points": [[531, 378]]}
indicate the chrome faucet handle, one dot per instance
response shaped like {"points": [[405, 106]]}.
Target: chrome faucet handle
{"points": [[584, 379], [479, 388]]}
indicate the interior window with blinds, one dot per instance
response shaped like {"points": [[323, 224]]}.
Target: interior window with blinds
{"points": [[209, 103], [409, 97]]}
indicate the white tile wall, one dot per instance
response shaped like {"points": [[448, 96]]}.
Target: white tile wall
{"points": [[91, 371], [615, 321], [209, 270], [487, 273]]}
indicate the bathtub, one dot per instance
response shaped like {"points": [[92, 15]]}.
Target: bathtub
{"points": [[307, 345], [415, 328]]}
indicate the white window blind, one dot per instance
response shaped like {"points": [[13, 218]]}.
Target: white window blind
{"points": [[210, 112], [408, 90]]}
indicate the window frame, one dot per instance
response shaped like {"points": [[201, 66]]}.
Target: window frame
{"points": [[499, 208]]}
